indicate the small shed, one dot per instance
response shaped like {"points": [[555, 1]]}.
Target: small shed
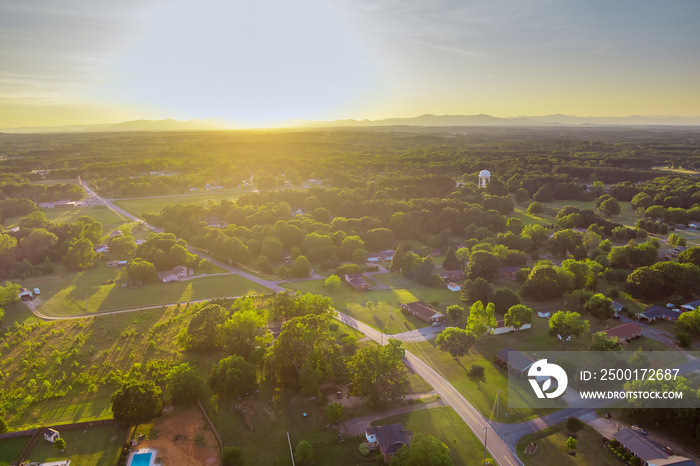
{"points": [[51, 435], [452, 286]]}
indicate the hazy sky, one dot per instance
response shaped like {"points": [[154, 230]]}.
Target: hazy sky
{"points": [[256, 61]]}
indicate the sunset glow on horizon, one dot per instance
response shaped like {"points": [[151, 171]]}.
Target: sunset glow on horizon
{"points": [[260, 63]]}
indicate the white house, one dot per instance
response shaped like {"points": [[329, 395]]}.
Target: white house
{"points": [[101, 248], [501, 328], [452, 286], [175, 274], [51, 435]]}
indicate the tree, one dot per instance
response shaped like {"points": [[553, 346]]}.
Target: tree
{"points": [[3, 426], [455, 341], [332, 282], [186, 386], [574, 424], [544, 194], [140, 270], [304, 452], [521, 195], [378, 373], [639, 360], [137, 403], [244, 332], [565, 242], [37, 246], [123, 246], [335, 412], [571, 443], [567, 325], [233, 456], [301, 267], [60, 444], [455, 312], [397, 260], [377, 239], [503, 299], [642, 200], [601, 342], [517, 316], [271, 248], [204, 330], [481, 319], [676, 240], [233, 377], [350, 244], [8, 251], [690, 256], [476, 290], [610, 208], [482, 264], [80, 255], [600, 307], [451, 262], [424, 450], [476, 373], [535, 208]]}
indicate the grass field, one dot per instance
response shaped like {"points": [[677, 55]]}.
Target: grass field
{"points": [[100, 213], [153, 205], [551, 448], [627, 215], [444, 424], [64, 293], [94, 446], [11, 448]]}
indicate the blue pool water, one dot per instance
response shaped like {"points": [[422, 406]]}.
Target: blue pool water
{"points": [[142, 459]]}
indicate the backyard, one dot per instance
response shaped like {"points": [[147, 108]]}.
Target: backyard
{"points": [[551, 448], [92, 446]]}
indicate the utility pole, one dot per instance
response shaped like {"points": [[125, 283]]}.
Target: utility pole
{"points": [[497, 395], [486, 433], [290, 448], [85, 302]]}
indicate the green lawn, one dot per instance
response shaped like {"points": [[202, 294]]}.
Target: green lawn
{"points": [[100, 213], [94, 446], [154, 205], [66, 410], [385, 313], [64, 293], [627, 216], [448, 427], [11, 448], [551, 448]]}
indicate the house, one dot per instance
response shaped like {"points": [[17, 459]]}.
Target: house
{"points": [[451, 275], [677, 250], [421, 310], [297, 212], [649, 453], [175, 274], [514, 360], [111, 263], [508, 272], [625, 332], [357, 282], [51, 435], [617, 307], [693, 226], [691, 306], [655, 312], [100, 248], [381, 256], [115, 234], [388, 439], [452, 286], [501, 328], [25, 294]]}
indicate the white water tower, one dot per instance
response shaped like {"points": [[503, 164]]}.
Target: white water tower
{"points": [[484, 178]]}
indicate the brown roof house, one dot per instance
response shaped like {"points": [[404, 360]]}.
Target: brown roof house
{"points": [[388, 439], [175, 274], [451, 275], [423, 312], [357, 282], [625, 332], [649, 452]]}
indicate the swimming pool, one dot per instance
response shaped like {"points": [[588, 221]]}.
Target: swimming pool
{"points": [[143, 457]]}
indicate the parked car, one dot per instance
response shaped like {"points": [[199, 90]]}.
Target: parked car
{"points": [[640, 430], [37, 291], [339, 394], [437, 324]]}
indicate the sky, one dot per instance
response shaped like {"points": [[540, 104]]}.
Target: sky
{"points": [[257, 63]]}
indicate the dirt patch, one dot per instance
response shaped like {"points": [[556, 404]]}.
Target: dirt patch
{"points": [[184, 425]]}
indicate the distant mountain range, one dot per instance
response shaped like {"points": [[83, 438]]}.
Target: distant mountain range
{"points": [[423, 120]]}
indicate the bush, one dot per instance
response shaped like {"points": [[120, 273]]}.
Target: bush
{"points": [[233, 456], [684, 339], [364, 449]]}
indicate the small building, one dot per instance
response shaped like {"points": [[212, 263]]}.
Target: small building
{"points": [[51, 435], [508, 272], [422, 311], [25, 294], [357, 282], [297, 212], [111, 263], [452, 286], [381, 256], [101, 248], [691, 306], [115, 234], [649, 452], [388, 439], [177, 273], [617, 307], [501, 328], [655, 312], [514, 360], [625, 332], [451, 275]]}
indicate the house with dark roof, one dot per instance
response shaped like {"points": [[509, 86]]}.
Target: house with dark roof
{"points": [[617, 306], [649, 453], [655, 312], [422, 311], [625, 332], [691, 306], [508, 272], [450, 275], [357, 282], [514, 360], [388, 439]]}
